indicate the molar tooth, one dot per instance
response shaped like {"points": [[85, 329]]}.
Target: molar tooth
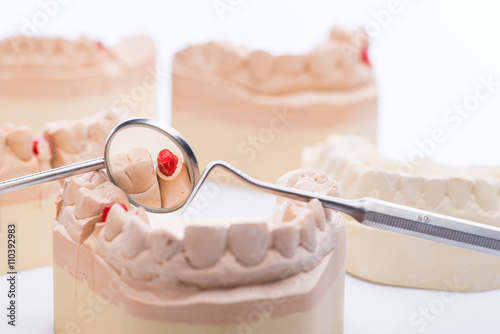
{"points": [[260, 64], [88, 204], [387, 184], [164, 245], [324, 58], [232, 59], [115, 221], [249, 242], [69, 137], [338, 166], [318, 213], [204, 245], [366, 183], [20, 142], [486, 193], [212, 54], [349, 177], [459, 191], [434, 191], [71, 186], [135, 237], [411, 188], [291, 63], [286, 240]]}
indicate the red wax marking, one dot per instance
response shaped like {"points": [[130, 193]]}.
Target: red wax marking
{"points": [[364, 55], [167, 162], [36, 141], [100, 46], [106, 211]]}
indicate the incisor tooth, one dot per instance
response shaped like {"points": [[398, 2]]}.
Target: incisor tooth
{"points": [[249, 242], [204, 245]]}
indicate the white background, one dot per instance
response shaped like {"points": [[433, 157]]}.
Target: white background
{"points": [[427, 58]]}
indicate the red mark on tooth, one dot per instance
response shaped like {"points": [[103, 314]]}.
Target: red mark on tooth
{"points": [[107, 208], [167, 162], [100, 46], [364, 55], [36, 141]]}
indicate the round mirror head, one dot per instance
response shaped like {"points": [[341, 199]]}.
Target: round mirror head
{"points": [[152, 163]]}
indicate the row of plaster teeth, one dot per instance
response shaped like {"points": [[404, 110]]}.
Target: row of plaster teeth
{"points": [[20, 142], [204, 246], [358, 179], [74, 141], [327, 59], [35, 51]]}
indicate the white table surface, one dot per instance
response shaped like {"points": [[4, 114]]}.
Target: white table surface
{"points": [[427, 58]]}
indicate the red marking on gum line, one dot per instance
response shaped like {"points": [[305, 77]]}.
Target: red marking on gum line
{"points": [[167, 162], [106, 211]]}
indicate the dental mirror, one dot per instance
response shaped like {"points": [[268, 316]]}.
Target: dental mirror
{"points": [[150, 161], [141, 151]]}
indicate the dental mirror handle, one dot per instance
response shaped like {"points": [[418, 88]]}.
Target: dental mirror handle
{"points": [[386, 216], [51, 175]]}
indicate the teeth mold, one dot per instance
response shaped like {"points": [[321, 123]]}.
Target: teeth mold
{"points": [[270, 274], [265, 108], [48, 79], [389, 258]]}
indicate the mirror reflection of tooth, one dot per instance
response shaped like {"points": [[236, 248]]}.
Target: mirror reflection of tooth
{"points": [[136, 175], [173, 178]]}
